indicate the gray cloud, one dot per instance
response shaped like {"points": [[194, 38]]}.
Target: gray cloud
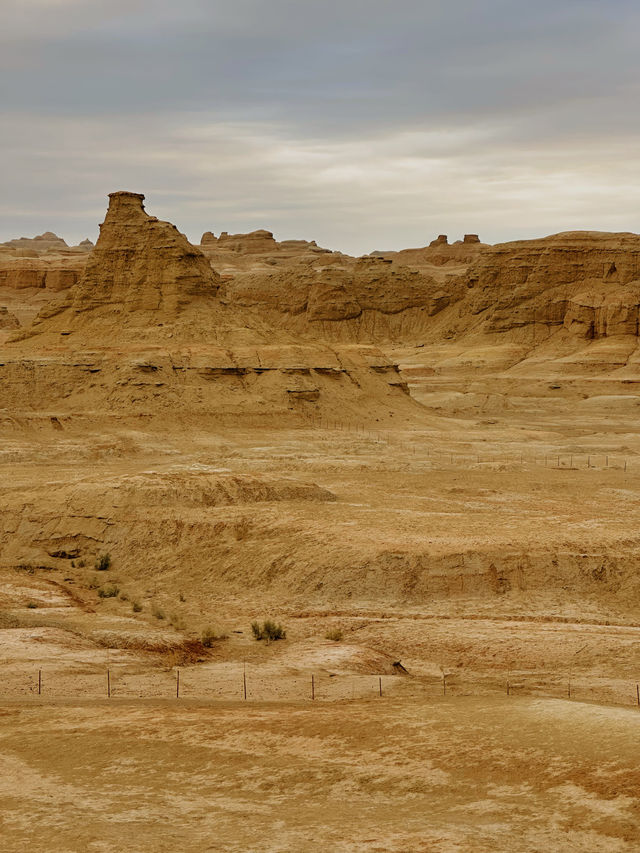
{"points": [[361, 122]]}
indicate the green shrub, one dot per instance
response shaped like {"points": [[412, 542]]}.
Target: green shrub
{"points": [[103, 562], [108, 591], [334, 634], [269, 630], [136, 606]]}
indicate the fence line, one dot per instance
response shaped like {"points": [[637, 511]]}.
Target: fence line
{"points": [[566, 461], [254, 685]]}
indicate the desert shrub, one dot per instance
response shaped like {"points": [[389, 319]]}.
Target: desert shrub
{"points": [[269, 630], [81, 563], [94, 583], [182, 597], [177, 621], [158, 612], [103, 562], [136, 606], [32, 605], [209, 636], [108, 591], [124, 596], [334, 634]]}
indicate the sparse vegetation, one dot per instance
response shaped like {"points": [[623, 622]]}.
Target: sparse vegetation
{"points": [[177, 621], [182, 597], [136, 606], [103, 562], [210, 635], [32, 605], [158, 612], [81, 564], [108, 591], [269, 631], [334, 634], [124, 596]]}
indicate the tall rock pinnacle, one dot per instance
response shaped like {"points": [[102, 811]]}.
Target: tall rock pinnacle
{"points": [[141, 264]]}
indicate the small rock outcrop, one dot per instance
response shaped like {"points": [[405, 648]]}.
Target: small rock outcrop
{"points": [[7, 319]]}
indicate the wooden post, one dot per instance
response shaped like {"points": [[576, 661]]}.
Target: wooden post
{"points": [[313, 688], [108, 685], [39, 682], [380, 685], [444, 684], [507, 688], [177, 683], [244, 679], [638, 694]]}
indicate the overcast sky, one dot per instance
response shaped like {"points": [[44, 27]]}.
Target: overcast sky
{"points": [[363, 124]]}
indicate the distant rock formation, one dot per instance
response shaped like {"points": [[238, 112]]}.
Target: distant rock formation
{"points": [[255, 242], [19, 273], [441, 240], [586, 282]]}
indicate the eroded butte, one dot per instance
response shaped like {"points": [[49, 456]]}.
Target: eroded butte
{"points": [[425, 464]]}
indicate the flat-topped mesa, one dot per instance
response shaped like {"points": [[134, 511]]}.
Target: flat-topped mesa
{"points": [[141, 268]]}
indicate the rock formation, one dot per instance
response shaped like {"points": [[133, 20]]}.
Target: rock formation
{"points": [[150, 327], [140, 267], [585, 282]]}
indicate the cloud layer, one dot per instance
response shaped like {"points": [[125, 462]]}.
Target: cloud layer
{"points": [[360, 123]]}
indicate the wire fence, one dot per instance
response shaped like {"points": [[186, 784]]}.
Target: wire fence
{"points": [[414, 445], [254, 685]]}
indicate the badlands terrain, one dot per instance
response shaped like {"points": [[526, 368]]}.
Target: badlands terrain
{"points": [[424, 464]]}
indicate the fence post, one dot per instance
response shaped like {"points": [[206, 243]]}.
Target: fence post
{"points": [[638, 694], [313, 688], [507, 687], [39, 682], [108, 685], [444, 684], [244, 679], [177, 683], [380, 684]]}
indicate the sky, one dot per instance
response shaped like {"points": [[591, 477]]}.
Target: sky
{"points": [[362, 124]]}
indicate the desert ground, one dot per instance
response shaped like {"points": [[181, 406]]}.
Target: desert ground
{"points": [[424, 465]]}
